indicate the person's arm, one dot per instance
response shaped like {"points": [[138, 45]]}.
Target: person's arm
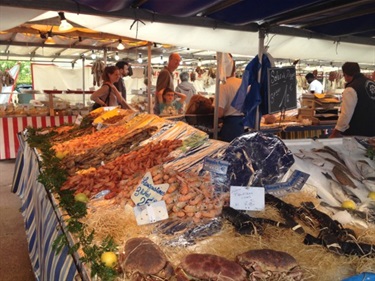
{"points": [[181, 96], [222, 101], [335, 134], [119, 97], [95, 96], [159, 96]]}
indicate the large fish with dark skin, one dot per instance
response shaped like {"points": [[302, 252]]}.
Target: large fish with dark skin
{"points": [[343, 178]]}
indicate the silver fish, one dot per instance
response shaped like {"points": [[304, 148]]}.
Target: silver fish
{"points": [[365, 169], [359, 215], [368, 207], [340, 192], [352, 167], [370, 184], [343, 178], [316, 159], [331, 151]]}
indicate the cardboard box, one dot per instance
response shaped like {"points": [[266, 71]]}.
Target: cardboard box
{"points": [[306, 102]]}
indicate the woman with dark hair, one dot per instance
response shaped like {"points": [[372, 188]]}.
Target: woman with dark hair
{"points": [[107, 94], [357, 115]]}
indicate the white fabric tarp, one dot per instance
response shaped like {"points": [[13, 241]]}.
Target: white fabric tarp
{"points": [[221, 40], [49, 77]]}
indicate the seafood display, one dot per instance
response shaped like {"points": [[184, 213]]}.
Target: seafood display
{"points": [[93, 157], [340, 177], [203, 236], [114, 175]]}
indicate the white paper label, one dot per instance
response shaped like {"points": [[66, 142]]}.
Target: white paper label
{"points": [[151, 213], [147, 192], [349, 144], [78, 120], [247, 198], [99, 126]]}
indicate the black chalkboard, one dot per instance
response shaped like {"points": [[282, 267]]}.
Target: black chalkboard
{"points": [[282, 93]]}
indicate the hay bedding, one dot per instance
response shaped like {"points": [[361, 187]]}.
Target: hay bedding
{"points": [[316, 262]]}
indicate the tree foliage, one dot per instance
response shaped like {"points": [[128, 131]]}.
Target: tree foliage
{"points": [[24, 76]]}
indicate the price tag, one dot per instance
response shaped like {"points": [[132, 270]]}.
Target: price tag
{"points": [[294, 183], [247, 198], [151, 213], [99, 126], [147, 192], [78, 120], [215, 166], [349, 144]]}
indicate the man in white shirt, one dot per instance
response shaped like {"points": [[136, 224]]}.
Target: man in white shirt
{"points": [[232, 118], [315, 87]]}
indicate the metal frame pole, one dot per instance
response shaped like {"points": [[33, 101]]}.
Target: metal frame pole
{"points": [[217, 89]]}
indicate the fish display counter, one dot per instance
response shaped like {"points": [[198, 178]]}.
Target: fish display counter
{"points": [[144, 181]]}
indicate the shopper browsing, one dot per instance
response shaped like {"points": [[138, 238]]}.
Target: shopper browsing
{"points": [[168, 105], [165, 78], [107, 94], [357, 113], [125, 70], [232, 118], [186, 87]]}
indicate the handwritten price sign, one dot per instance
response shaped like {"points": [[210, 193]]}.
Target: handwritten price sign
{"points": [[247, 198], [147, 192]]}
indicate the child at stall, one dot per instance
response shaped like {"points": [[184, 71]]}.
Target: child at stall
{"points": [[168, 105]]}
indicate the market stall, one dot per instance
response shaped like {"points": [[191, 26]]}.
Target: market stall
{"points": [[42, 220], [11, 126], [199, 219]]}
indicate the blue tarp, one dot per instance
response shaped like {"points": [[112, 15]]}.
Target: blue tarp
{"points": [[248, 101]]}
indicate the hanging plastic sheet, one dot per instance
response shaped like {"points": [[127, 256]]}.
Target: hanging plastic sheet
{"points": [[247, 100], [257, 159]]}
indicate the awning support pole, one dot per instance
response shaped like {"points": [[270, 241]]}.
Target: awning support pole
{"points": [[83, 82], [149, 79], [217, 89]]}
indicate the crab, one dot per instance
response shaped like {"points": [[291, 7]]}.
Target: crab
{"points": [[267, 264], [209, 267], [144, 260]]}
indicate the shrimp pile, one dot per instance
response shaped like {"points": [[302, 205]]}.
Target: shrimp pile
{"points": [[188, 195], [109, 176]]}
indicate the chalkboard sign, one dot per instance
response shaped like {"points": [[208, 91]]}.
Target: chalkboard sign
{"points": [[282, 94]]}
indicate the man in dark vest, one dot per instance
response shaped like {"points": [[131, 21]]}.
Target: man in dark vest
{"points": [[357, 115]]}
